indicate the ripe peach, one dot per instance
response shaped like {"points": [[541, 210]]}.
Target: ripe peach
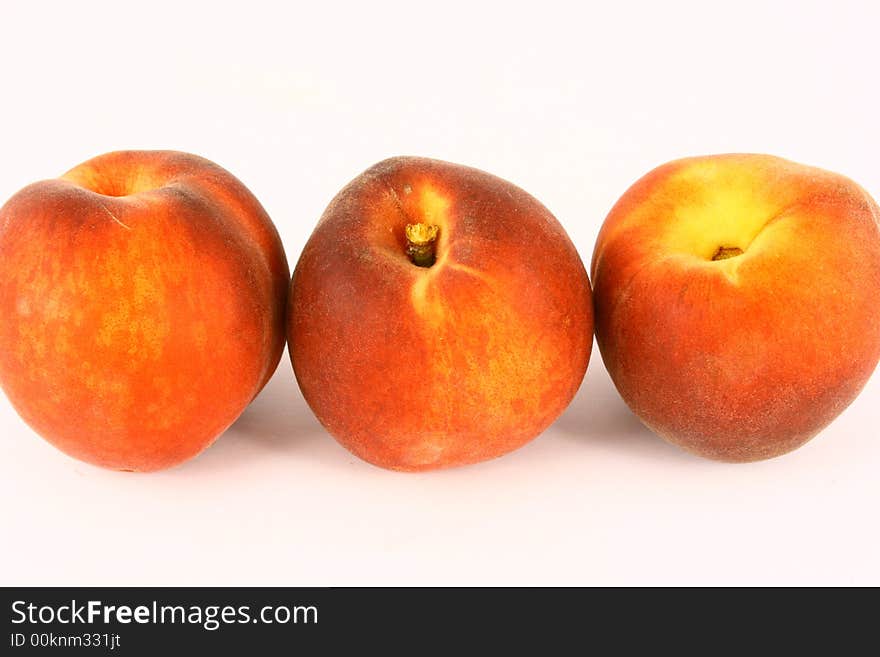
{"points": [[736, 301], [438, 316], [142, 303]]}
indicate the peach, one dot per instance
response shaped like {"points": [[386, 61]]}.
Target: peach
{"points": [[438, 316], [142, 301], [736, 301]]}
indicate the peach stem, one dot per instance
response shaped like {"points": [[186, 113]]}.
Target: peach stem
{"points": [[421, 243], [725, 252]]}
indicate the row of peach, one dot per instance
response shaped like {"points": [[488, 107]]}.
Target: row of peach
{"points": [[438, 315]]}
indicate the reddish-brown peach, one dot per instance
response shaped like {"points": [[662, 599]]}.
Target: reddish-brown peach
{"points": [[438, 316]]}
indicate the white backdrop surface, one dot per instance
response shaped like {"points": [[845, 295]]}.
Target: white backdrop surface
{"points": [[571, 101]]}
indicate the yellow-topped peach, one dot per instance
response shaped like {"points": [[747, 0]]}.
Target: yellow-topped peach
{"points": [[438, 316], [736, 301]]}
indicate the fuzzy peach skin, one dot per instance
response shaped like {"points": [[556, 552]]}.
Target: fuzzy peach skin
{"points": [[416, 368], [142, 301], [737, 301]]}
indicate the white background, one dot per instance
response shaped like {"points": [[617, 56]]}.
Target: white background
{"points": [[572, 102]]}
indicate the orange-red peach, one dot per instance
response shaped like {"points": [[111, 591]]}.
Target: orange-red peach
{"points": [[142, 301], [737, 301], [438, 316]]}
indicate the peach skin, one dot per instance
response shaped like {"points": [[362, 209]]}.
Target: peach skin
{"points": [[736, 301], [438, 316], [142, 301]]}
